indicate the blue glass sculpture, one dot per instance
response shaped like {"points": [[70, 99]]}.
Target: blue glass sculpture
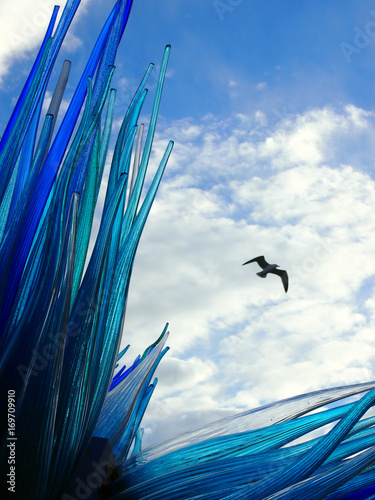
{"points": [[61, 322]]}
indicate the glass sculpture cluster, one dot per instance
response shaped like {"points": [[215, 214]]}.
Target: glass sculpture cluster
{"points": [[62, 315]]}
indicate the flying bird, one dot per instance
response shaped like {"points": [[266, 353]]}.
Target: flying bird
{"points": [[270, 268]]}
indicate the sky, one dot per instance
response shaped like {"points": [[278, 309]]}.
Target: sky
{"points": [[271, 107]]}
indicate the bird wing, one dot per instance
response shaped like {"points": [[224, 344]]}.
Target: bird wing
{"points": [[284, 277], [260, 260]]}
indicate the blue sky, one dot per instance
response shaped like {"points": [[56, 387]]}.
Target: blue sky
{"points": [[271, 106]]}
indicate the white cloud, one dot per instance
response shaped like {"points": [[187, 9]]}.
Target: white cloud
{"points": [[23, 25], [261, 118], [305, 139], [261, 86], [182, 375]]}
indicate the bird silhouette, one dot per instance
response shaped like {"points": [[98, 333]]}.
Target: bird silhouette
{"points": [[270, 268]]}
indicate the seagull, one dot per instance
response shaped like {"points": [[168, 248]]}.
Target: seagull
{"points": [[270, 268]]}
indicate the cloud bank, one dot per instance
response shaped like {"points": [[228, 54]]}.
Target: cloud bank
{"points": [[240, 187]]}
